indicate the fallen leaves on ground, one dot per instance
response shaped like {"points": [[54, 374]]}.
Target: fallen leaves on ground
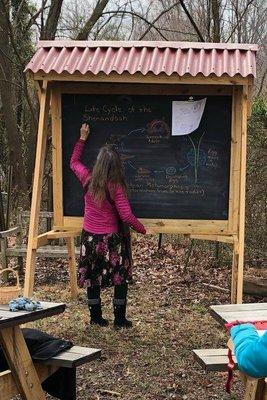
{"points": [[169, 307]]}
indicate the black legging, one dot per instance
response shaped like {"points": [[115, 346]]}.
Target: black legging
{"points": [[120, 294]]}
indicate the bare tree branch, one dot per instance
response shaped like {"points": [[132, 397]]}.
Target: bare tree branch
{"points": [[103, 26], [16, 19], [176, 31], [11, 82], [120, 24], [191, 20], [97, 13], [35, 16], [138, 16], [239, 19], [157, 18]]}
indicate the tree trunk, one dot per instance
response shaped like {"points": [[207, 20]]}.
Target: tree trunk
{"points": [[50, 28], [99, 8], [215, 5], [8, 96]]}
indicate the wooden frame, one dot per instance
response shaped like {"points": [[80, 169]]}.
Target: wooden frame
{"points": [[228, 231], [35, 241], [140, 78], [215, 227]]}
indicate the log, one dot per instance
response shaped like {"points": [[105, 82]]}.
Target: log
{"points": [[255, 286]]}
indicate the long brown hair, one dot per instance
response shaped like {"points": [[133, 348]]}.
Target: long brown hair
{"points": [[107, 169]]}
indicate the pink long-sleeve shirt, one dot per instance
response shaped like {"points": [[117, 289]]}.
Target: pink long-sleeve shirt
{"points": [[102, 218]]}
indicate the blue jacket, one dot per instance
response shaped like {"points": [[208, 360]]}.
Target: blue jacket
{"points": [[250, 350]]}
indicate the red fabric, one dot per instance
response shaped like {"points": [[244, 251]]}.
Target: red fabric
{"points": [[102, 219], [230, 366], [259, 325]]}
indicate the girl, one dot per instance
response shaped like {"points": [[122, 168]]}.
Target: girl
{"points": [[105, 256]]}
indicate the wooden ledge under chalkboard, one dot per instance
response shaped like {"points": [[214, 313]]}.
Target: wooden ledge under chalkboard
{"points": [[43, 239], [215, 238]]}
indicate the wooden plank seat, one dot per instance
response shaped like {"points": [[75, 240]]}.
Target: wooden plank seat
{"points": [[74, 357], [217, 360], [56, 248], [45, 252], [213, 359], [71, 358]]}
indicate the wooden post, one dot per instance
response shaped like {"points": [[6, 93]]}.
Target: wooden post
{"points": [[3, 240], [2, 213], [57, 157], [238, 187], [234, 271], [20, 364], [160, 241], [9, 188], [188, 253], [242, 190], [37, 189], [49, 202], [3, 248], [72, 266]]}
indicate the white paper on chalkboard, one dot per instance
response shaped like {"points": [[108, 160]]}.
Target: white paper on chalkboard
{"points": [[186, 116]]}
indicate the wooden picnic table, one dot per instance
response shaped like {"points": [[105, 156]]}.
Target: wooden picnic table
{"points": [[255, 389], [240, 312], [15, 348]]}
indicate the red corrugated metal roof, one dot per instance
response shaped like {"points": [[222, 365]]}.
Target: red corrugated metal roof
{"points": [[144, 57]]}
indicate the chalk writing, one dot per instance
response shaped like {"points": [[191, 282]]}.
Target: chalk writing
{"points": [[168, 176]]}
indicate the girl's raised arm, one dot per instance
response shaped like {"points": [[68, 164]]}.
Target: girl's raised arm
{"points": [[79, 169]]}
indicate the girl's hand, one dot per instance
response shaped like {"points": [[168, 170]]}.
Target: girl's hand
{"points": [[84, 131]]}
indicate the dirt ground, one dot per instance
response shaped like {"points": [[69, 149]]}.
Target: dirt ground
{"points": [[169, 308]]}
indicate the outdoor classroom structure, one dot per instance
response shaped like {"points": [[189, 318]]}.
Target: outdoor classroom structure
{"points": [[176, 111]]}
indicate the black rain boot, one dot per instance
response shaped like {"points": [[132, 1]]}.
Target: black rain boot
{"points": [[120, 301], [94, 303]]}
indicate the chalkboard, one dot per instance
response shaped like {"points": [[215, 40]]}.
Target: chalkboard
{"points": [[170, 177]]}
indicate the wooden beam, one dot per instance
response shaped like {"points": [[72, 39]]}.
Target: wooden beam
{"points": [[235, 160], [140, 78], [234, 271], [183, 226], [42, 214], [63, 234], [216, 238], [44, 238], [8, 387], [72, 266], [20, 364], [241, 229], [139, 88], [57, 156], [37, 189], [40, 241]]}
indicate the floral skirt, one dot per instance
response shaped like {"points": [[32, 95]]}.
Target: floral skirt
{"points": [[104, 260]]}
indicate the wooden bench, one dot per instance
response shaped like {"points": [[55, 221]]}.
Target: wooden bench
{"points": [[71, 358], [19, 250], [217, 360], [213, 359]]}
